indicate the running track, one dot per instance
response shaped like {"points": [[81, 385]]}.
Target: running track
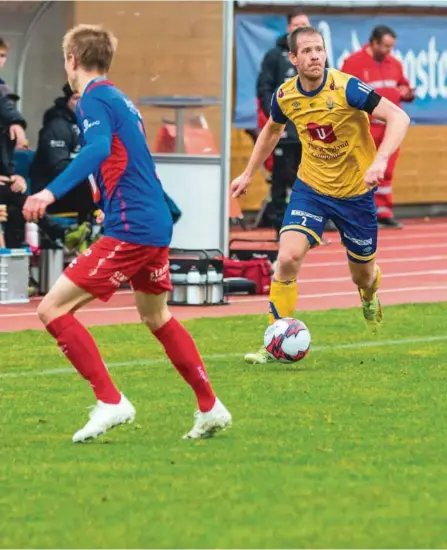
{"points": [[413, 261]]}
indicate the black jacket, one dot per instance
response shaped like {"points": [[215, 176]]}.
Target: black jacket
{"points": [[276, 69], [57, 145], [9, 115]]}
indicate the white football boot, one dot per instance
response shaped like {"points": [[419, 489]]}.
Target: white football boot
{"points": [[105, 416], [260, 357], [209, 423]]}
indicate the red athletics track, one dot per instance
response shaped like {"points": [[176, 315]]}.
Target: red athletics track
{"points": [[413, 261]]}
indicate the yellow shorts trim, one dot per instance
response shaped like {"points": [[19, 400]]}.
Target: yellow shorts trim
{"points": [[361, 258], [302, 229]]}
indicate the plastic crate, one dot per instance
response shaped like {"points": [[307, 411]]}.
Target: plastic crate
{"points": [[14, 275]]}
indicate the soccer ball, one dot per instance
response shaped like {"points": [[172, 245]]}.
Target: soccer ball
{"points": [[287, 340]]}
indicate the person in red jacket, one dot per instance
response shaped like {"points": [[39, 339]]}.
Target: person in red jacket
{"points": [[375, 65]]}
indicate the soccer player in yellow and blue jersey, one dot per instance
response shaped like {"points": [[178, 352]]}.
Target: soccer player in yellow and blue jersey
{"points": [[339, 169]]}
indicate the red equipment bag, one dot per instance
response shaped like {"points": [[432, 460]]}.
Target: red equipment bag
{"points": [[259, 270]]}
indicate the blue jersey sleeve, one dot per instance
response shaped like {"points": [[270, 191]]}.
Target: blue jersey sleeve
{"points": [[275, 111], [357, 93], [97, 127]]}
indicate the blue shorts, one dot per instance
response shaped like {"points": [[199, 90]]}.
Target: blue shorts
{"points": [[355, 219]]}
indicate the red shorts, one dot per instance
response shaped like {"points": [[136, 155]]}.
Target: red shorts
{"points": [[102, 268]]}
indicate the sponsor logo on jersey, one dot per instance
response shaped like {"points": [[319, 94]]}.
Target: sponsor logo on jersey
{"points": [[324, 133]]}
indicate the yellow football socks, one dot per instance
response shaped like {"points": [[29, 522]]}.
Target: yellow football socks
{"points": [[283, 296], [368, 294]]}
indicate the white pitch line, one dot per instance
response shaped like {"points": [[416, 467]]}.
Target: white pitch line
{"points": [[247, 300], [326, 250], [413, 259], [210, 357], [346, 293], [316, 280], [402, 236]]}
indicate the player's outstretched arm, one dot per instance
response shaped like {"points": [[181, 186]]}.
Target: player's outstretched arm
{"points": [[97, 124], [397, 122]]}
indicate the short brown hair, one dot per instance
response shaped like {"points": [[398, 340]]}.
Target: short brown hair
{"points": [[3, 44], [295, 12], [292, 38], [92, 45]]}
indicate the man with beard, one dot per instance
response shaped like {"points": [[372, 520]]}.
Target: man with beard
{"points": [[375, 66], [337, 175]]}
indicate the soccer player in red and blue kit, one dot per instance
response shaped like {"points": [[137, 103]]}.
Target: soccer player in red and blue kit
{"points": [[135, 246]]}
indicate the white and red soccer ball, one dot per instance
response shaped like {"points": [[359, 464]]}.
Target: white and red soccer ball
{"points": [[287, 340]]}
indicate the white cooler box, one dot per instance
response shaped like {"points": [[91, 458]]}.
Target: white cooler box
{"points": [[14, 275]]}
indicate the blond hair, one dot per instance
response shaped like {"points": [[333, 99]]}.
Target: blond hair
{"points": [[92, 46]]}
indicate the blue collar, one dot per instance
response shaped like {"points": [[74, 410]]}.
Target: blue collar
{"points": [[314, 92]]}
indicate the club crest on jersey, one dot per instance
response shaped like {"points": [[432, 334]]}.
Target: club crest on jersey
{"points": [[330, 103], [324, 133]]}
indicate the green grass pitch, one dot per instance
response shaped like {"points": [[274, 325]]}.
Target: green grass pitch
{"points": [[346, 449]]}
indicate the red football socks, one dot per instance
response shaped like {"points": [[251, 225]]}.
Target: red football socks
{"points": [[183, 353], [77, 344]]}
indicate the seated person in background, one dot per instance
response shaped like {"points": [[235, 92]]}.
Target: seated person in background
{"points": [[57, 146], [13, 187], [12, 132]]}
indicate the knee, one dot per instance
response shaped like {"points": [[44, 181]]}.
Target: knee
{"points": [[289, 261], [155, 319], [44, 312], [47, 310], [363, 278]]}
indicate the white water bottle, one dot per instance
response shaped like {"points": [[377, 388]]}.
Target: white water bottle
{"points": [[194, 294], [219, 289], [211, 288], [32, 234], [178, 281]]}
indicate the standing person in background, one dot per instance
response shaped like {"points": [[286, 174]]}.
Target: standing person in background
{"points": [[275, 70], [375, 65]]}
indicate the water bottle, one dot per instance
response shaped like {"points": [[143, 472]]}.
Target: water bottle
{"points": [[178, 281], [218, 289], [194, 291], [32, 234], [211, 296]]}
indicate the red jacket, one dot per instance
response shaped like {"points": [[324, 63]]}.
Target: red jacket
{"points": [[386, 77]]}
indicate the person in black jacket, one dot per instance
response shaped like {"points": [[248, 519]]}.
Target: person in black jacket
{"points": [[58, 144], [276, 69], [13, 187], [12, 133]]}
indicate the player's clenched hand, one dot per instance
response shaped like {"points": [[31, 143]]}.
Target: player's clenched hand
{"points": [[36, 205], [376, 171], [239, 185]]}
